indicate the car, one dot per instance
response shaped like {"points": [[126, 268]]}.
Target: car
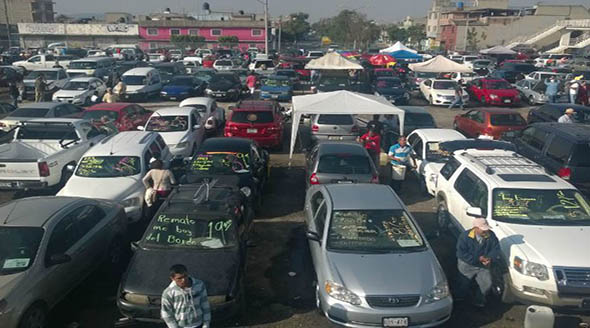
{"points": [[225, 85], [374, 266], [47, 255], [224, 65], [277, 87], [531, 91], [339, 162], [176, 54], [416, 78], [289, 73], [384, 72], [6, 109], [492, 91], [517, 66], [27, 112], [181, 87], [261, 65], [123, 66], [181, 127], [192, 64], [328, 83], [482, 67], [539, 218], [313, 54], [81, 91], [510, 76], [440, 91], [490, 122], [100, 67], [203, 52], [9, 74], [142, 83], [40, 62], [334, 127], [552, 112], [125, 116], [157, 57], [114, 168], [258, 120], [170, 70], [206, 107], [545, 58], [463, 78], [543, 75], [55, 78], [131, 51], [203, 227], [562, 148], [392, 89]]}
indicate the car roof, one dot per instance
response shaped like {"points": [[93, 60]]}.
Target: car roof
{"points": [[47, 70], [374, 197], [414, 109], [205, 101], [186, 110], [340, 148], [112, 106], [139, 71], [496, 110], [41, 105], [576, 130], [439, 134], [254, 105], [18, 212], [55, 120], [226, 144], [123, 143]]}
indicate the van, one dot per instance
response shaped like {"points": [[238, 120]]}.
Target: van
{"points": [[142, 83], [99, 67]]}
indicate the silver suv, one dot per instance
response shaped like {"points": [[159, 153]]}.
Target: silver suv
{"points": [[334, 127], [374, 266]]}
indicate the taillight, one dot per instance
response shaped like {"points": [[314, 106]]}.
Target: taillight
{"points": [[375, 179], [315, 128], [488, 130], [564, 173], [2, 125], [43, 169], [314, 179]]}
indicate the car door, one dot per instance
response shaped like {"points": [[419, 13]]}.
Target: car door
{"points": [[95, 235], [317, 212], [532, 142], [470, 192], [425, 87], [417, 144]]}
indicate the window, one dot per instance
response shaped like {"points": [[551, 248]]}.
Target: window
{"points": [[153, 45], [87, 217], [174, 31], [534, 138], [316, 200], [215, 32], [418, 148], [559, 150], [193, 31], [320, 219], [449, 168], [64, 236], [472, 189], [160, 142], [476, 116], [256, 32], [154, 149], [152, 31]]}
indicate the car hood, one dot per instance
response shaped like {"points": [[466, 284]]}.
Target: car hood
{"points": [[221, 85], [443, 92], [549, 245], [225, 180], [114, 189], [176, 88], [274, 89], [502, 92], [391, 91], [148, 271], [172, 138], [9, 282], [386, 274], [70, 93]]}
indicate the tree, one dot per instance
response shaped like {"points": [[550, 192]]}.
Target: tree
{"points": [[412, 35], [296, 27], [472, 39], [348, 28], [228, 40], [187, 41], [397, 33]]}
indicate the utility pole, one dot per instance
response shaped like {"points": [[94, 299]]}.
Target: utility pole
{"points": [[7, 23], [280, 31], [265, 3], [466, 32]]}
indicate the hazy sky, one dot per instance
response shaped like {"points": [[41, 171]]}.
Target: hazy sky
{"points": [[382, 10]]}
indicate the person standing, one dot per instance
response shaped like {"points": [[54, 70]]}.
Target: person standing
{"points": [[161, 182], [567, 117], [583, 94], [375, 125], [110, 97], [251, 82], [372, 143], [573, 90], [477, 249], [458, 98], [14, 93], [399, 154], [120, 89], [40, 87], [184, 302], [552, 88]]}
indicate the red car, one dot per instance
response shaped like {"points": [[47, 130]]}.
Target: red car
{"points": [[208, 61], [126, 116], [490, 91], [259, 120], [488, 122]]}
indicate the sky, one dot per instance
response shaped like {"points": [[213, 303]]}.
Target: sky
{"points": [[380, 10]]}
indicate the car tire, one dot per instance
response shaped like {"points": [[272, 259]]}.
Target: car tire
{"points": [[34, 317], [531, 100], [318, 301], [65, 176], [87, 102], [442, 216], [506, 294]]}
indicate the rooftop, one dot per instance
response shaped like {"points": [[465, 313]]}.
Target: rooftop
{"points": [[201, 23], [121, 144], [18, 212]]}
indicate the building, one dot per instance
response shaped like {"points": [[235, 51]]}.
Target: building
{"points": [[118, 17], [26, 11], [33, 35]]}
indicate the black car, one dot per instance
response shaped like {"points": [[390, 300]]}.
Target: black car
{"points": [[561, 148], [552, 112], [202, 227], [169, 70], [225, 86], [392, 89]]}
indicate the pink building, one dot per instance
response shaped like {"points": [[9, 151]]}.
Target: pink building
{"points": [[154, 34]]}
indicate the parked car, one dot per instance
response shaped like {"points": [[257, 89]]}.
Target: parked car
{"points": [[47, 255], [40, 61], [277, 87], [337, 162], [533, 92], [491, 91], [416, 78], [392, 89], [125, 116], [291, 74], [182, 87], [261, 121], [334, 127], [124, 66], [205, 74], [440, 92], [9, 74], [224, 65], [488, 122], [114, 168], [206, 107], [261, 65], [81, 90], [142, 83], [357, 232], [463, 78], [100, 67], [518, 66], [482, 67], [225, 86], [32, 111], [327, 83], [205, 229], [176, 54], [543, 75], [552, 112], [55, 78], [5, 110], [537, 216], [170, 70], [510, 76]]}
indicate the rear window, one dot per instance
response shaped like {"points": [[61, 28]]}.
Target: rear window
{"points": [[252, 117], [30, 112], [507, 119], [580, 156], [58, 132], [335, 119], [344, 164]]}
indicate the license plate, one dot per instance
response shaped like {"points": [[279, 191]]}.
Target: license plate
{"points": [[395, 322], [334, 138], [172, 98], [252, 130], [219, 94], [507, 101]]}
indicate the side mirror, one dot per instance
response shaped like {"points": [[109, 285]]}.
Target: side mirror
{"points": [[70, 167], [59, 259], [141, 128], [312, 235], [474, 212]]}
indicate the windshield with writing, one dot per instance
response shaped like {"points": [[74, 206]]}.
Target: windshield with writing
{"points": [[108, 166], [182, 230], [373, 231], [174, 123], [78, 86], [220, 163], [18, 248], [134, 79], [82, 65], [566, 207]]}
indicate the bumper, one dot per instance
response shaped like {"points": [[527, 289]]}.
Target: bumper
{"points": [[69, 100], [531, 290], [151, 313], [174, 96], [325, 137], [423, 315], [447, 101], [222, 94], [23, 184], [262, 141], [502, 102]]}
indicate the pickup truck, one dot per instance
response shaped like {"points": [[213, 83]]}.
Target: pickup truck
{"points": [[41, 151], [41, 61]]}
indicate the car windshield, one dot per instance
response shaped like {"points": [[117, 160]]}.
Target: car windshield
{"points": [[184, 81], [223, 63], [373, 231], [507, 119], [49, 132], [340, 81], [497, 85], [134, 79], [222, 79], [384, 73], [419, 119], [263, 117], [541, 207], [335, 119], [166, 70], [389, 84], [83, 65], [49, 75], [220, 163], [96, 115], [444, 85], [108, 166], [423, 75], [182, 230], [344, 164], [74, 85], [276, 83], [434, 153], [171, 123], [30, 112], [18, 248]]}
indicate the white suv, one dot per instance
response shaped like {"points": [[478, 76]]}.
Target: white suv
{"points": [[541, 221]]}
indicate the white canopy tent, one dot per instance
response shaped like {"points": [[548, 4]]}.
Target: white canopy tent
{"points": [[439, 64], [397, 47], [340, 102], [332, 61], [498, 50]]}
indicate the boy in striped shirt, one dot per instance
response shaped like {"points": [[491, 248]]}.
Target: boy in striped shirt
{"points": [[184, 301]]}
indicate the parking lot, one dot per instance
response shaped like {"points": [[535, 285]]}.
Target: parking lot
{"points": [[277, 298]]}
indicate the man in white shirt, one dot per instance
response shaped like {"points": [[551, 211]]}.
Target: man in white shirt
{"points": [[574, 91], [567, 117]]}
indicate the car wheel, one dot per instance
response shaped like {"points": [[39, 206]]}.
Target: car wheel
{"points": [[442, 216], [87, 102], [65, 176], [34, 317], [505, 293], [531, 100], [318, 301]]}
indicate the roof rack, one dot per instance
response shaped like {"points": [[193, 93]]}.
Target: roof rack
{"points": [[495, 163]]}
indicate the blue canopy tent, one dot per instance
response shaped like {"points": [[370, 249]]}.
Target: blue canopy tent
{"points": [[405, 55]]}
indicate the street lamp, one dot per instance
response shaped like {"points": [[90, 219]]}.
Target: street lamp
{"points": [[265, 3]]}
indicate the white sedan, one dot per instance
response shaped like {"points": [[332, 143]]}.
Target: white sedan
{"points": [[80, 91], [440, 91]]}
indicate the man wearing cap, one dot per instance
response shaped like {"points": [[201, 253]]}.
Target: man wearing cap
{"points": [[568, 117], [477, 248]]}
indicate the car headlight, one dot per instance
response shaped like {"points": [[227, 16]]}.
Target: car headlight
{"points": [[340, 293], [136, 298], [130, 202], [438, 292], [531, 269], [493, 96], [246, 191], [182, 144]]}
